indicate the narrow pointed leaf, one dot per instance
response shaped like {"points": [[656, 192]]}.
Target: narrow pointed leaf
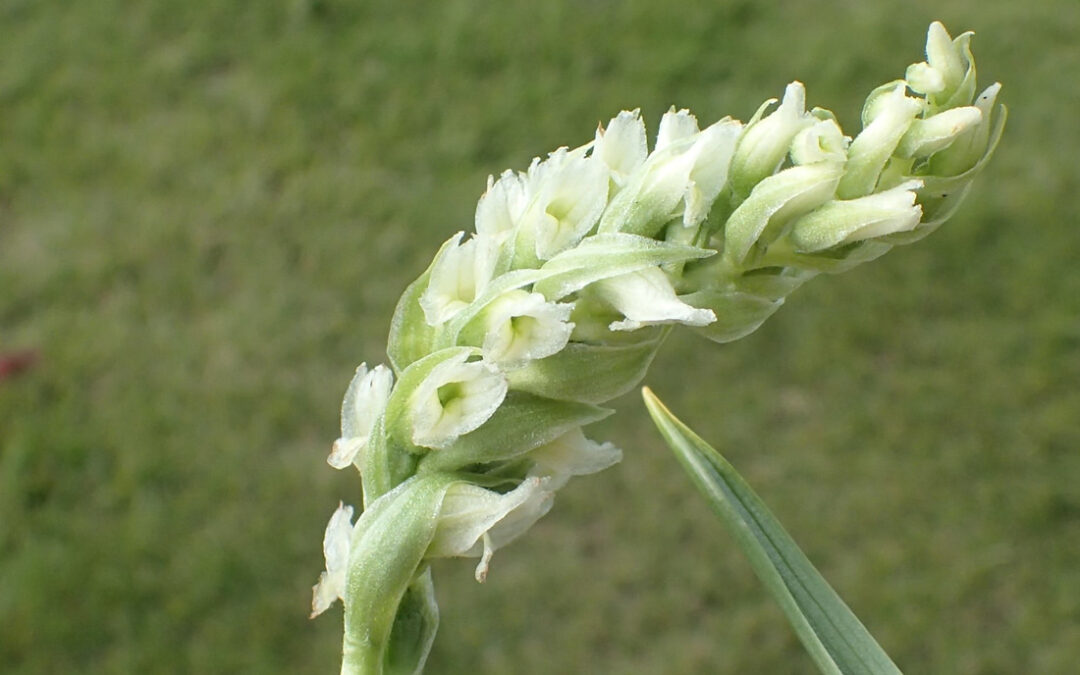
{"points": [[835, 638]]}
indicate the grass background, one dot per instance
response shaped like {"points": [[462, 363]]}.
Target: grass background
{"points": [[208, 211]]}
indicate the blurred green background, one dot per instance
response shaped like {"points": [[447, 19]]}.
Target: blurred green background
{"points": [[209, 209]]}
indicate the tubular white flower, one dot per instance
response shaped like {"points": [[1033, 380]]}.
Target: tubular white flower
{"points": [[572, 455], [622, 146], [647, 298], [458, 276], [475, 521], [336, 545], [365, 400], [501, 207], [455, 398], [570, 192], [842, 222], [520, 326], [711, 152]]}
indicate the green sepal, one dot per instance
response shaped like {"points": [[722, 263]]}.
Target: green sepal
{"points": [[387, 548], [737, 314], [836, 640], [522, 423], [585, 372], [382, 466], [411, 337], [603, 256]]}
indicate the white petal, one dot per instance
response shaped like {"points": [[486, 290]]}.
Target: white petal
{"points": [[365, 400], [336, 544], [675, 126], [572, 455], [647, 298], [622, 146], [712, 152], [455, 398], [499, 210]]}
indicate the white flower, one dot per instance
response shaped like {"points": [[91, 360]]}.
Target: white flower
{"points": [[572, 455], [458, 275], [336, 545], [712, 151], [456, 397], [569, 192], [622, 146], [501, 207], [647, 298], [520, 326], [365, 400], [475, 521]]}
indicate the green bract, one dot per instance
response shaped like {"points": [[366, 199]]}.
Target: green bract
{"points": [[504, 348]]}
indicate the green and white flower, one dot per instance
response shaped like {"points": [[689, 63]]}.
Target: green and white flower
{"points": [[504, 349]]}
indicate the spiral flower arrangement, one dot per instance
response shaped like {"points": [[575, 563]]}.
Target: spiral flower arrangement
{"points": [[506, 347]]}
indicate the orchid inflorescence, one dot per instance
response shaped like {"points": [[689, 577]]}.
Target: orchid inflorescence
{"points": [[501, 352]]}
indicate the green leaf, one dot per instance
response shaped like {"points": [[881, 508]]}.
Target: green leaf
{"points": [[835, 638]]}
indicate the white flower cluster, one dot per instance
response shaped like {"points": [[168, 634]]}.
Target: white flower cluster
{"points": [[577, 269]]}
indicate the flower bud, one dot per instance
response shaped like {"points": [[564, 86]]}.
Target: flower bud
{"points": [[926, 136], [975, 142], [456, 397], [841, 222], [947, 77], [890, 114], [365, 400], [774, 202], [766, 141]]}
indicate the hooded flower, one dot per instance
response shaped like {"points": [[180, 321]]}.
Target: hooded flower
{"points": [[456, 397], [365, 400]]}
